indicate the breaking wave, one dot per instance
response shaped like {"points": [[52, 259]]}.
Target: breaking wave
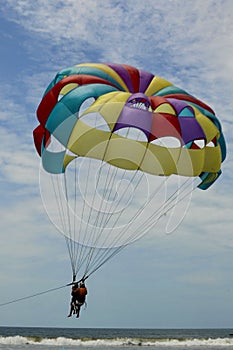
{"points": [[63, 341]]}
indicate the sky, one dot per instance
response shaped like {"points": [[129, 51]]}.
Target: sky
{"points": [[177, 280]]}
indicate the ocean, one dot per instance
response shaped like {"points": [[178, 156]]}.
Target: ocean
{"points": [[15, 338]]}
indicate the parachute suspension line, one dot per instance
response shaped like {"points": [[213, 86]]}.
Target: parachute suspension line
{"points": [[112, 210], [96, 256], [152, 197], [74, 223], [61, 210], [77, 232], [98, 265], [106, 197], [137, 184], [80, 248], [115, 204], [144, 232], [92, 234], [132, 236], [101, 221], [170, 203], [58, 197], [156, 215], [59, 202], [96, 225], [102, 257], [190, 182], [88, 237], [142, 208], [71, 247], [105, 256], [88, 241], [174, 200], [77, 257], [143, 228]]}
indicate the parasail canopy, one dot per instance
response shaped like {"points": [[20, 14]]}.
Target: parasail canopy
{"points": [[106, 133]]}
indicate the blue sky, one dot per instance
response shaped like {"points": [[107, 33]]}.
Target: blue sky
{"points": [[183, 279]]}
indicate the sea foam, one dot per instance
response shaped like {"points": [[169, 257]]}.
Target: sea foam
{"points": [[63, 341]]}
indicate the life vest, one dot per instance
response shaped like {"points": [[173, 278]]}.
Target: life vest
{"points": [[80, 294]]}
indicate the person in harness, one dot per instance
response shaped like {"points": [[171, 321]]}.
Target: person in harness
{"points": [[78, 293]]}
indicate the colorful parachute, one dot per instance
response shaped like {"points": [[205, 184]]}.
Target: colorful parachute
{"points": [[106, 132]]}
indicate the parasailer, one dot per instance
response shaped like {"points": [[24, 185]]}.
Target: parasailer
{"points": [[120, 148], [79, 292]]}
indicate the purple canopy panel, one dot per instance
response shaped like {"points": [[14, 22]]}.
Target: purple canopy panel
{"points": [[123, 73], [145, 79], [136, 118], [190, 130], [179, 105]]}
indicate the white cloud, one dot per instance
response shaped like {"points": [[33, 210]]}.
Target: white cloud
{"points": [[133, 29]]}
